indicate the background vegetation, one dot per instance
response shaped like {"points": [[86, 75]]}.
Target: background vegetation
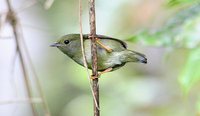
{"points": [[167, 31]]}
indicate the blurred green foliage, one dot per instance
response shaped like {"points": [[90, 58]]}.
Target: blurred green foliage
{"points": [[174, 3], [180, 31], [191, 72]]}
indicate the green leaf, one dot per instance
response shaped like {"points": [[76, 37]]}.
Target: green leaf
{"points": [[191, 72]]}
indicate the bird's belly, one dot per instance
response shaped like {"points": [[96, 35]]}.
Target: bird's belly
{"points": [[109, 60], [102, 64]]}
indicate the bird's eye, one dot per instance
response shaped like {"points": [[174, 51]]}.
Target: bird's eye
{"points": [[66, 41]]}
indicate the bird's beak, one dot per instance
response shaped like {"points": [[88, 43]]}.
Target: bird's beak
{"points": [[56, 44]]}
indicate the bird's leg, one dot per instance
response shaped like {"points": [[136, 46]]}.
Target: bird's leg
{"points": [[102, 45], [105, 71], [99, 74]]}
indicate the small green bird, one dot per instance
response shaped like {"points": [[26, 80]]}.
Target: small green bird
{"points": [[111, 53]]}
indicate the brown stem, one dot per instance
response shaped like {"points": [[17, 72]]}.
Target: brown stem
{"points": [[13, 21], [83, 52], [39, 88], [95, 84]]}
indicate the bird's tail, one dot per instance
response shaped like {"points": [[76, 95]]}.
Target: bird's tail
{"points": [[132, 56]]}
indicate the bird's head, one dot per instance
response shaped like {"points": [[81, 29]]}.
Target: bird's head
{"points": [[68, 44]]}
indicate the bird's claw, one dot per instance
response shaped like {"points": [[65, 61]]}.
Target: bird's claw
{"points": [[94, 77], [100, 73]]}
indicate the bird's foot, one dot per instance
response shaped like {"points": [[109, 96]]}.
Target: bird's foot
{"points": [[102, 45], [105, 71], [99, 74], [92, 77]]}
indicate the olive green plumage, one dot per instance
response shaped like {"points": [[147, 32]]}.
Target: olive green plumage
{"points": [[120, 55]]}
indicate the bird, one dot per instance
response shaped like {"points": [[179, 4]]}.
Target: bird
{"points": [[112, 53]]}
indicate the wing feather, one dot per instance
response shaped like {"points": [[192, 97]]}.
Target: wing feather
{"points": [[107, 37]]}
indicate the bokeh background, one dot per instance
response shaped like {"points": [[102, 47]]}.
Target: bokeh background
{"points": [[166, 31]]}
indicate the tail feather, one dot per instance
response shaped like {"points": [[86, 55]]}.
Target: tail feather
{"points": [[141, 57], [132, 56]]}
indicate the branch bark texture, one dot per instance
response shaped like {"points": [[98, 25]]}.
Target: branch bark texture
{"points": [[95, 84]]}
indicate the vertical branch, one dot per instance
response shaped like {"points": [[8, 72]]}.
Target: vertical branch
{"points": [[13, 21], [83, 52], [95, 84]]}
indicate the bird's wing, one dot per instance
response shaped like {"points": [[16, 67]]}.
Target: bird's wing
{"points": [[106, 37]]}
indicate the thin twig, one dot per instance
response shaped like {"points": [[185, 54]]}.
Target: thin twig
{"points": [[13, 21], [32, 100], [83, 51], [94, 54], [17, 31], [39, 88]]}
